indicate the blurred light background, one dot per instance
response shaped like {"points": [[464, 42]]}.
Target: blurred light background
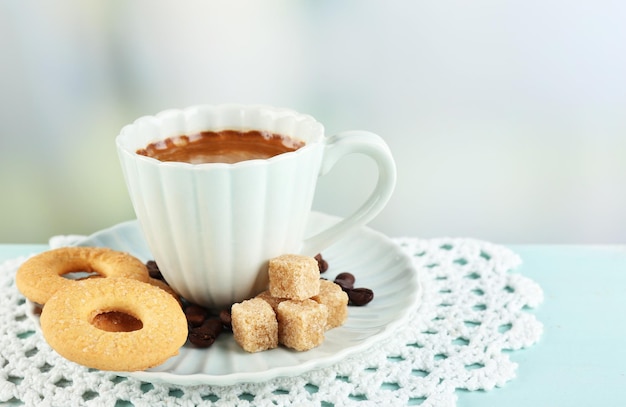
{"points": [[507, 119]]}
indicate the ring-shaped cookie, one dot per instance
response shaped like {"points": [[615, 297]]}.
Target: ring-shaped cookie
{"points": [[66, 324], [39, 277]]}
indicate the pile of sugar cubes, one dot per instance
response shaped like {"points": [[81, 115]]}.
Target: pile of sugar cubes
{"points": [[295, 311]]}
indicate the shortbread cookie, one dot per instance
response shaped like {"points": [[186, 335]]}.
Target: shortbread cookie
{"points": [[68, 327], [39, 277]]}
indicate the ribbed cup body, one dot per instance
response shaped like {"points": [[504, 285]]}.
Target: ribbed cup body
{"points": [[212, 227]]}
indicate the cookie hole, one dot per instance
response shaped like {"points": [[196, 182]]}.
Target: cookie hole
{"points": [[80, 275], [116, 321]]}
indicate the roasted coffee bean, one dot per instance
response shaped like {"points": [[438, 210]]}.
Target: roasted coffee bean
{"points": [[345, 281], [226, 319], [321, 263], [205, 335], [153, 270], [360, 296], [195, 315], [345, 285]]}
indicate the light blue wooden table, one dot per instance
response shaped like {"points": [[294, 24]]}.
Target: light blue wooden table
{"points": [[581, 357]]}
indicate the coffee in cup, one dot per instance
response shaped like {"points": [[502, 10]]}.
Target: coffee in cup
{"points": [[225, 146]]}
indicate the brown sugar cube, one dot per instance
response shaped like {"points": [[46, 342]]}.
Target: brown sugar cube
{"points": [[294, 277], [301, 324], [254, 325], [336, 300], [273, 301]]}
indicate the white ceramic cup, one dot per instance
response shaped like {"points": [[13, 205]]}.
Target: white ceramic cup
{"points": [[213, 227]]}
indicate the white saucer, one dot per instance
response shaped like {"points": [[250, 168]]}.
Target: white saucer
{"points": [[376, 262]]}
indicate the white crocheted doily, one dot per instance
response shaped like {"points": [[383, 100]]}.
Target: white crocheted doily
{"points": [[473, 309]]}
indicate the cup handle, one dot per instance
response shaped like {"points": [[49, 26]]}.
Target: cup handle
{"points": [[337, 147]]}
